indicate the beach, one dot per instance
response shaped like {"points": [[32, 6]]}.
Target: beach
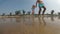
{"points": [[30, 25]]}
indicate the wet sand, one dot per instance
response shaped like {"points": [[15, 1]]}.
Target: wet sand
{"points": [[30, 25]]}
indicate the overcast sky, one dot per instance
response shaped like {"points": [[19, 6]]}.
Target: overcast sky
{"points": [[7, 6]]}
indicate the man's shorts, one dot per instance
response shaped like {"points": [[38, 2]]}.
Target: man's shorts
{"points": [[41, 5]]}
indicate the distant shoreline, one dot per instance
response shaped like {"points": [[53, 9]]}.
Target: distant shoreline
{"points": [[18, 16]]}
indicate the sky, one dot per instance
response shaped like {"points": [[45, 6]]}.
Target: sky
{"points": [[7, 6]]}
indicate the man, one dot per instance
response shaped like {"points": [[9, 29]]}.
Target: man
{"points": [[41, 5]]}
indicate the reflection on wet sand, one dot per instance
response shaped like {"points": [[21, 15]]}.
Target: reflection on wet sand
{"points": [[52, 18], [41, 20], [29, 25], [59, 17]]}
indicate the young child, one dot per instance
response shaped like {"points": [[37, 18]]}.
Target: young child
{"points": [[33, 8], [41, 5]]}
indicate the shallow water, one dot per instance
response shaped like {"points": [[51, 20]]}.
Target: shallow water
{"points": [[30, 25]]}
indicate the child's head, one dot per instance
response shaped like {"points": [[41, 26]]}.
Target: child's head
{"points": [[33, 6]]}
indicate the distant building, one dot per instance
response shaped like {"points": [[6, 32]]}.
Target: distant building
{"points": [[18, 12], [59, 13], [52, 12], [3, 14], [28, 12], [10, 14], [24, 12]]}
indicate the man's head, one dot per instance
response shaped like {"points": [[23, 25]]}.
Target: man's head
{"points": [[39, 0]]}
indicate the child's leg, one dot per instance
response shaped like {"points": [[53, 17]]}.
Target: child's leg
{"points": [[44, 10], [32, 11]]}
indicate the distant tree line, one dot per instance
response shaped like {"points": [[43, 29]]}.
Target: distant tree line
{"points": [[23, 12], [19, 12]]}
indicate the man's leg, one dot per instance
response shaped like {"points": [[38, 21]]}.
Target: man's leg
{"points": [[44, 10], [39, 10]]}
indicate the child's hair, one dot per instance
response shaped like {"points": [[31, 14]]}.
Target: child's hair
{"points": [[33, 6]]}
